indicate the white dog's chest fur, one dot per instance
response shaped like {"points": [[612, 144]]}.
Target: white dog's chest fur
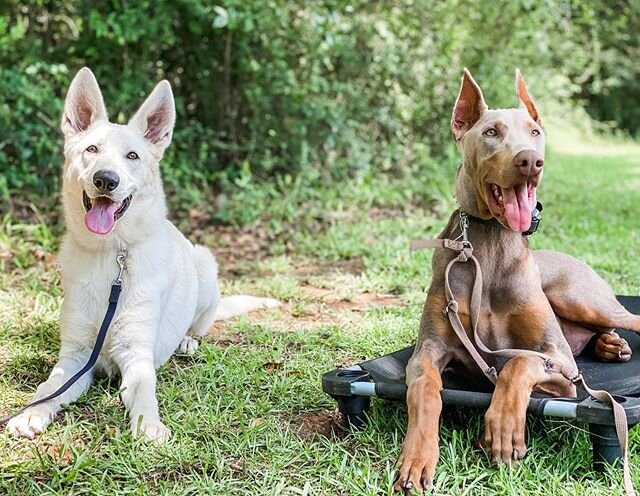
{"points": [[157, 303]]}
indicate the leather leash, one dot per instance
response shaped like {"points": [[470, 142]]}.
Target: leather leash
{"points": [[114, 296], [567, 370]]}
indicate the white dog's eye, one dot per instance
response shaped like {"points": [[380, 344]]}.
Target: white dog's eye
{"points": [[92, 149], [132, 156], [490, 132], [535, 132]]}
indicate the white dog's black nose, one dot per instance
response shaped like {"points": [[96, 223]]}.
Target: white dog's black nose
{"points": [[106, 180]]}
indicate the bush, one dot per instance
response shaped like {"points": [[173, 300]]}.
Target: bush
{"points": [[323, 91]]}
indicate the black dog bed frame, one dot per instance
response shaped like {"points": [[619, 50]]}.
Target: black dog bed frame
{"points": [[384, 377]]}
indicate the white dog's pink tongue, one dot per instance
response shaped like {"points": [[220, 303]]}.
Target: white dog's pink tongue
{"points": [[517, 208], [99, 219]]}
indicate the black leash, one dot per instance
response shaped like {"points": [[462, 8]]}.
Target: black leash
{"points": [[116, 287]]}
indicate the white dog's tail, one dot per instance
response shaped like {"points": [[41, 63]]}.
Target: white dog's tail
{"points": [[232, 306]]}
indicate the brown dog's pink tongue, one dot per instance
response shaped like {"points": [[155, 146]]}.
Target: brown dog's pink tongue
{"points": [[99, 219], [517, 208]]}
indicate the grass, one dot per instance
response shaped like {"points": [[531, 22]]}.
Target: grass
{"points": [[247, 412]]}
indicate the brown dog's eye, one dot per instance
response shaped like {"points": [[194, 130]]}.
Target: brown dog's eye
{"points": [[491, 132], [92, 149], [132, 156], [535, 132]]}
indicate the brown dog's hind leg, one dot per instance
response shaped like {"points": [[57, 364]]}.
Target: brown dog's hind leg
{"points": [[420, 451], [608, 346], [579, 295], [506, 417]]}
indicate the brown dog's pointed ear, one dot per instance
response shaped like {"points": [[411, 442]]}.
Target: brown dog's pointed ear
{"points": [[84, 104], [469, 106], [525, 99], [156, 116]]}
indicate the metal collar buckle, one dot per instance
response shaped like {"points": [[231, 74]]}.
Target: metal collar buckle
{"points": [[491, 371], [577, 379], [535, 220], [452, 306], [464, 228]]}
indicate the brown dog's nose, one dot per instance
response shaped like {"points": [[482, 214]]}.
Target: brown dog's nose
{"points": [[529, 162]]}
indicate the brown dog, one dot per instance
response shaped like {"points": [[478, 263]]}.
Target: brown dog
{"points": [[542, 301]]}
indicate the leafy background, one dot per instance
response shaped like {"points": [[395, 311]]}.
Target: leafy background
{"points": [[279, 98]]}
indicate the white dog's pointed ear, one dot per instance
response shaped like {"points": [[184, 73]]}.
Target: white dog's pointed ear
{"points": [[84, 104], [156, 116], [525, 99], [469, 106]]}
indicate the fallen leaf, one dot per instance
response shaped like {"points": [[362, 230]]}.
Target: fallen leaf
{"points": [[271, 367], [257, 422]]}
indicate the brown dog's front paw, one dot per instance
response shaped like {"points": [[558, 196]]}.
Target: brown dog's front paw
{"points": [[416, 470], [503, 437], [612, 348]]}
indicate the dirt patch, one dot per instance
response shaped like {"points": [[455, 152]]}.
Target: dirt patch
{"points": [[312, 425], [222, 339], [234, 248], [318, 307], [53, 451], [353, 266], [358, 302]]}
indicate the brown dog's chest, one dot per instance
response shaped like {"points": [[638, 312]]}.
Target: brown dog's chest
{"points": [[514, 311], [521, 327]]}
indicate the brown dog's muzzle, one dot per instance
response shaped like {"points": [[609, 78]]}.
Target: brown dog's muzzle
{"points": [[528, 162]]}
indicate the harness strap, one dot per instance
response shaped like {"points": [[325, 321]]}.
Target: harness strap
{"points": [[451, 244], [114, 296], [451, 312], [567, 370]]}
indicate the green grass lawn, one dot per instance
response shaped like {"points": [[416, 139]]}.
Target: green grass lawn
{"points": [[247, 412]]}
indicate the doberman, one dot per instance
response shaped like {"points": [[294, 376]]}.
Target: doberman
{"points": [[542, 301]]}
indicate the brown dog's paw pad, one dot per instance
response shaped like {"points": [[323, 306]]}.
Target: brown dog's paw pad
{"points": [[610, 347]]}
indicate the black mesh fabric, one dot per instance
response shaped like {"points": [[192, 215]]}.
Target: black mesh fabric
{"points": [[617, 378]]}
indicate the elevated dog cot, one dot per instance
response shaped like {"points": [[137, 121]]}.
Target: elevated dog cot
{"points": [[384, 378]]}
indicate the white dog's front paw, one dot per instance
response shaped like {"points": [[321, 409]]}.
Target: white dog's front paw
{"points": [[153, 430], [188, 345], [33, 421]]}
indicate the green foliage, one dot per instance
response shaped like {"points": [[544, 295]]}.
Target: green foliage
{"points": [[610, 86], [322, 91]]}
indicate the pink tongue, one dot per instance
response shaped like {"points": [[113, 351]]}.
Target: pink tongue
{"points": [[517, 208], [99, 219]]}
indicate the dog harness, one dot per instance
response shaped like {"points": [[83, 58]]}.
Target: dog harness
{"points": [[569, 371], [114, 296]]}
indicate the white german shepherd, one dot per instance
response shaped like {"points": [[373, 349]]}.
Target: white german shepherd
{"points": [[113, 200]]}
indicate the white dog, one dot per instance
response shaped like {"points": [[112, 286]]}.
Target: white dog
{"points": [[113, 200]]}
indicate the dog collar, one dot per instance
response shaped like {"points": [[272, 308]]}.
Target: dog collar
{"points": [[493, 222]]}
